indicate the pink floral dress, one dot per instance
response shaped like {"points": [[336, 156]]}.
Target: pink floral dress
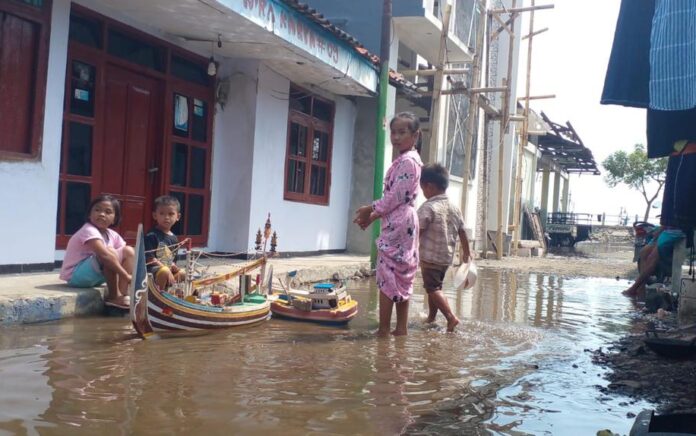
{"points": [[397, 244]]}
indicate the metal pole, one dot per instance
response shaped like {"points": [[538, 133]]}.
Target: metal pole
{"points": [[381, 118]]}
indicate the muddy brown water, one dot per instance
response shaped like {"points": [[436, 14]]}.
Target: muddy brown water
{"points": [[516, 365]]}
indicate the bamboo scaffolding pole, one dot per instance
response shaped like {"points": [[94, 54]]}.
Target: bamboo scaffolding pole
{"points": [[513, 9], [504, 119], [437, 86], [432, 72], [517, 203], [537, 97]]}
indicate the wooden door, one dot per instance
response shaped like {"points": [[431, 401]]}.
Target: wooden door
{"points": [[131, 145]]}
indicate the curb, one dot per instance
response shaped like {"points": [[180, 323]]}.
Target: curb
{"points": [[64, 302], [51, 306]]}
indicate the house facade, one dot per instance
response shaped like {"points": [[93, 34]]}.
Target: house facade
{"points": [[239, 108]]}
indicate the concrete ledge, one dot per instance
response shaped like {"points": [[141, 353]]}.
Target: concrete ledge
{"points": [[49, 303], [32, 298]]}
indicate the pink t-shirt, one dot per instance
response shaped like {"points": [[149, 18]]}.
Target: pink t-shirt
{"points": [[77, 251]]}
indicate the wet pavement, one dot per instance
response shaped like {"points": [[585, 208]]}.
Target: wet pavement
{"points": [[519, 363]]}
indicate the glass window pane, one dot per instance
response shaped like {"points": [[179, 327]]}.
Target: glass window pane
{"points": [[197, 167], [194, 221], [189, 71], [86, 31], [35, 3], [318, 181], [300, 101], [296, 172], [82, 89], [179, 164], [180, 125], [136, 51], [200, 120], [80, 149], [77, 201], [323, 110], [177, 228], [298, 139], [320, 146]]}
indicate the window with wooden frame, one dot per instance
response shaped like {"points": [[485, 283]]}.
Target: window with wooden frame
{"points": [[309, 146], [24, 33]]}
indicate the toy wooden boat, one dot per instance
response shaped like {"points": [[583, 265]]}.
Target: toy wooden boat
{"points": [[323, 304], [153, 310]]}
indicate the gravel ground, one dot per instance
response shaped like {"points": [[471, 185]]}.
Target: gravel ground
{"points": [[587, 260]]}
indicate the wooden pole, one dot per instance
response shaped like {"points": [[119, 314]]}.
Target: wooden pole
{"points": [[437, 86], [504, 119], [473, 111], [523, 141]]}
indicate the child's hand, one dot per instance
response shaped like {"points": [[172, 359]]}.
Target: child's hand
{"points": [[362, 216]]}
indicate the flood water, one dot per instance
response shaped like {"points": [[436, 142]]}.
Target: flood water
{"points": [[516, 365]]}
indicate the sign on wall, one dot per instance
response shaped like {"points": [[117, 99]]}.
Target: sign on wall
{"points": [[300, 31]]}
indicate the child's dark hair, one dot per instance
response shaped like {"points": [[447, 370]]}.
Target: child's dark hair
{"points": [[167, 200], [413, 126], [114, 203], [436, 174]]}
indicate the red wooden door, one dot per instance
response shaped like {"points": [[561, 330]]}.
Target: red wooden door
{"points": [[131, 144]]}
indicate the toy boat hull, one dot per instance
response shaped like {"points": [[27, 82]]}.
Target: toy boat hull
{"points": [[156, 311], [340, 315]]}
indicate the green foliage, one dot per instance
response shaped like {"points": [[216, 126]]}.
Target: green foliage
{"points": [[636, 171]]}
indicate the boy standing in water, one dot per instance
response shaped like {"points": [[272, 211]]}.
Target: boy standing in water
{"points": [[161, 245], [440, 224]]}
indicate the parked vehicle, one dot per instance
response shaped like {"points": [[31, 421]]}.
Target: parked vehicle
{"points": [[564, 229]]}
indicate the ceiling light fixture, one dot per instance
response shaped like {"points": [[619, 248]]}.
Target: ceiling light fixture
{"points": [[212, 64]]}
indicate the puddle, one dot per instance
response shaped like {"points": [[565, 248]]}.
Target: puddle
{"points": [[517, 364]]}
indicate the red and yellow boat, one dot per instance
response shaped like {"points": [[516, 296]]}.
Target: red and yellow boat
{"points": [[325, 304]]}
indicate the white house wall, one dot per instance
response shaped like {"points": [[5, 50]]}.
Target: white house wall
{"points": [[300, 226], [29, 193], [233, 157]]}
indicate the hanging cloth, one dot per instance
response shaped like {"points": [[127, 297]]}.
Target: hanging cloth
{"points": [[628, 73], [673, 56]]}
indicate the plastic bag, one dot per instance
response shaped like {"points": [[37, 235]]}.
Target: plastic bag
{"points": [[465, 277]]}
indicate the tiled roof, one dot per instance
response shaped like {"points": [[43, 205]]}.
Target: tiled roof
{"points": [[395, 78]]}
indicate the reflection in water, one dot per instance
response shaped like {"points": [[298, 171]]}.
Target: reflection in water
{"points": [[508, 368]]}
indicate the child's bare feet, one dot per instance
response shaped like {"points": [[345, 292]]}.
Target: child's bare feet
{"points": [[452, 323], [396, 332], [382, 333], [429, 320]]}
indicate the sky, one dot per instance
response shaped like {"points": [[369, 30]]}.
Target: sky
{"points": [[570, 61]]}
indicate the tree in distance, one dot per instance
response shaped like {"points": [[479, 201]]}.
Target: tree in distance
{"points": [[636, 171]]}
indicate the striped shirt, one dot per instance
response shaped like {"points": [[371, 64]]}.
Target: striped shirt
{"points": [[673, 56], [440, 222]]}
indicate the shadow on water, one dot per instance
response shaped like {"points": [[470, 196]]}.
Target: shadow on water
{"points": [[516, 364]]}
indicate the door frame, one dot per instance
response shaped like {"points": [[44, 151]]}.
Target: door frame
{"points": [[168, 84]]}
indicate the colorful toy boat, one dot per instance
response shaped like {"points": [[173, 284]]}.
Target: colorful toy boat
{"points": [[153, 310], [325, 303]]}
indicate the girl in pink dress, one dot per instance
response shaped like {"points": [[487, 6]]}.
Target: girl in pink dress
{"points": [[397, 245]]}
